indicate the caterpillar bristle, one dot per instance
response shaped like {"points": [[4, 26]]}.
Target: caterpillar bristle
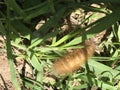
{"points": [[73, 60]]}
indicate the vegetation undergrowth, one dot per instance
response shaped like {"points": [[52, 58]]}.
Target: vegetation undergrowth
{"points": [[61, 26]]}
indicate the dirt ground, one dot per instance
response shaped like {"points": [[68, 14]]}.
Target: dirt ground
{"points": [[5, 78]]}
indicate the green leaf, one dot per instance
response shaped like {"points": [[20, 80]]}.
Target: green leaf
{"points": [[103, 70], [35, 62]]}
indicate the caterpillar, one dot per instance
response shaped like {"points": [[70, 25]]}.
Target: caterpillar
{"points": [[72, 61]]}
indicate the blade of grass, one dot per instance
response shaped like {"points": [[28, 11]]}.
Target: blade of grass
{"points": [[51, 5], [9, 51], [83, 86], [104, 23], [21, 28], [32, 84], [118, 34], [38, 40], [105, 58], [75, 41], [16, 8], [19, 46], [65, 38], [39, 10], [2, 28], [115, 30], [52, 22]]}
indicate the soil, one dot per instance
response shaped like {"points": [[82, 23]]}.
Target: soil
{"points": [[5, 78]]}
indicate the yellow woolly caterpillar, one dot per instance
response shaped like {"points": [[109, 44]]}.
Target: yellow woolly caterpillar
{"points": [[73, 60]]}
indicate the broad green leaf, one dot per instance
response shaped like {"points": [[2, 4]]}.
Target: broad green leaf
{"points": [[35, 61], [39, 76], [100, 69]]}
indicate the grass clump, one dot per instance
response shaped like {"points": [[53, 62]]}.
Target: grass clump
{"points": [[62, 26]]}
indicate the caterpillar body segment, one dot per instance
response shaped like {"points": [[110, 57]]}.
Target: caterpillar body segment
{"points": [[73, 60]]}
